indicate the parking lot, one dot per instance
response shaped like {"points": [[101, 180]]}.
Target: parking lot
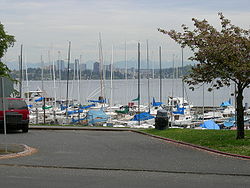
{"points": [[87, 158]]}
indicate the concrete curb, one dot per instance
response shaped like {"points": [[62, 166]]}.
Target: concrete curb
{"points": [[26, 151], [139, 132]]}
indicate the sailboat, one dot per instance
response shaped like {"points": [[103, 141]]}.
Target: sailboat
{"points": [[179, 107], [157, 105], [101, 102]]}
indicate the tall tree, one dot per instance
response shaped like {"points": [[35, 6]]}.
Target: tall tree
{"points": [[6, 41], [223, 58]]}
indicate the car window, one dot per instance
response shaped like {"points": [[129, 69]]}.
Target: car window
{"points": [[11, 104], [17, 104]]}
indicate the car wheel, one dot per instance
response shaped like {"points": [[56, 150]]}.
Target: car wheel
{"points": [[25, 128]]}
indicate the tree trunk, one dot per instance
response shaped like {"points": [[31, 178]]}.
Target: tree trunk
{"points": [[240, 114]]}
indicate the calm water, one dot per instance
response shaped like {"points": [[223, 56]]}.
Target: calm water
{"points": [[124, 91]]}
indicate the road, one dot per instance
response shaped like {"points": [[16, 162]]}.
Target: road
{"points": [[80, 158]]}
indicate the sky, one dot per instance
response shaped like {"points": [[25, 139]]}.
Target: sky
{"points": [[45, 27]]}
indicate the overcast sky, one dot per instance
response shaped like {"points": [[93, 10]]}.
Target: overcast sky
{"points": [[48, 25]]}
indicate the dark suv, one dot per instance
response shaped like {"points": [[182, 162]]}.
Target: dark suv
{"points": [[17, 114]]}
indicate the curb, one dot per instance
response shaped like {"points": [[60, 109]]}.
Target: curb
{"points": [[193, 145], [26, 151]]}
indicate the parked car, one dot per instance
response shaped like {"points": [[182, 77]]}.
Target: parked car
{"points": [[17, 114]]}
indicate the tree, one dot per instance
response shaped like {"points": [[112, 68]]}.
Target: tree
{"points": [[6, 41], [223, 58]]}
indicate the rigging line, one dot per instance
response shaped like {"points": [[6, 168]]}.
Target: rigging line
{"points": [[94, 93]]}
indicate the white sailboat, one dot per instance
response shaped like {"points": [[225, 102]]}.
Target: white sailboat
{"points": [[179, 107]]}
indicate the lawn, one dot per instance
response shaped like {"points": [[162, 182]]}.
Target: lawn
{"points": [[222, 140]]}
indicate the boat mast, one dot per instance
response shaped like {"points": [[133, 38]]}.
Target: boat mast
{"points": [[54, 76], [203, 102], [172, 100], [126, 63], [148, 76], [60, 72], [67, 91], [42, 67], [101, 63], [153, 69], [160, 74], [27, 80], [111, 77], [21, 71], [79, 77], [139, 97], [126, 71], [50, 71], [173, 76], [182, 77]]}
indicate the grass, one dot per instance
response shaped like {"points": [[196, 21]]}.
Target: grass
{"points": [[222, 140]]}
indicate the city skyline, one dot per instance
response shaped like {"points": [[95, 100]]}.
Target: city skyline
{"points": [[45, 27]]}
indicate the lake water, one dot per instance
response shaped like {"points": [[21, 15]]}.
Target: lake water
{"points": [[124, 91]]}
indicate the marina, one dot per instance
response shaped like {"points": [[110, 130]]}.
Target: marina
{"points": [[121, 114]]}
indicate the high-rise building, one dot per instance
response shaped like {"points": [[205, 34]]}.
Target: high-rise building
{"points": [[83, 67], [96, 67], [107, 67], [60, 64]]}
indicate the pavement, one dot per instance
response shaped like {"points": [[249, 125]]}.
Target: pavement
{"points": [[109, 158]]}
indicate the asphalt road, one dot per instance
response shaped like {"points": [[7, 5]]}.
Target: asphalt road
{"points": [[80, 158]]}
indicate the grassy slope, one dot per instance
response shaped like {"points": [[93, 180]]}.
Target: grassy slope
{"points": [[223, 140]]}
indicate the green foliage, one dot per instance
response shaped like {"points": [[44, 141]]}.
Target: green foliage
{"points": [[223, 55], [222, 140], [6, 41], [4, 70]]}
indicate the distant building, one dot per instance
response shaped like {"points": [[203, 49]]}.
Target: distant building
{"points": [[76, 64], [83, 67], [96, 67], [60, 64], [107, 67], [71, 66]]}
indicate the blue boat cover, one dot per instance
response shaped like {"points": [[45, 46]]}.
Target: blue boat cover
{"points": [[142, 116], [77, 120], [156, 103], [100, 101], [210, 124], [74, 112], [230, 122], [63, 107], [39, 99], [226, 103], [85, 107], [95, 116], [179, 110]]}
